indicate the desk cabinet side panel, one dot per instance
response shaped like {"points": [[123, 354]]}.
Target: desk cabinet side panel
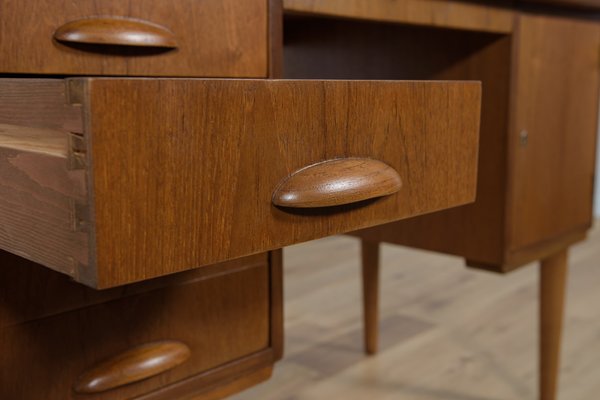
{"points": [[553, 133]]}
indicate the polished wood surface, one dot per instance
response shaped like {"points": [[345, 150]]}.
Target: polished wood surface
{"points": [[428, 132], [534, 183], [253, 134], [519, 185], [447, 332], [538, 140], [221, 319], [116, 31], [487, 44], [553, 275], [439, 13], [215, 38], [325, 48], [434, 127], [370, 290], [52, 329], [555, 100], [337, 182], [367, 50], [139, 363]]}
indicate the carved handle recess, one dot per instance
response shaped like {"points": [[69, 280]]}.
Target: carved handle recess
{"points": [[337, 182], [133, 365], [116, 31]]}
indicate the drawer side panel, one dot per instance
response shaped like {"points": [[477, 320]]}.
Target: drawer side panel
{"points": [[43, 191]]}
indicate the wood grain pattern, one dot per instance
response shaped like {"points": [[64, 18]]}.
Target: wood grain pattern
{"points": [[439, 13], [136, 364], [51, 328], [254, 133], [116, 31], [337, 182], [35, 140], [553, 280], [38, 103], [216, 38], [555, 99], [41, 194], [450, 136], [530, 198], [370, 288], [221, 319], [480, 230], [475, 231]]}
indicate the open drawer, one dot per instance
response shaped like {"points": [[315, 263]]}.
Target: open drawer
{"points": [[116, 180]]}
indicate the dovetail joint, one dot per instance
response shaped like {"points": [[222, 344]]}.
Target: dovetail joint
{"points": [[77, 156], [79, 217], [75, 91]]}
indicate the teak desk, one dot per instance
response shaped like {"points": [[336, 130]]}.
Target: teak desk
{"points": [[143, 151]]}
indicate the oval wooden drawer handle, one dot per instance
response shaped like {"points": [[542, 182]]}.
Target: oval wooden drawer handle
{"points": [[132, 366], [116, 31], [337, 182]]}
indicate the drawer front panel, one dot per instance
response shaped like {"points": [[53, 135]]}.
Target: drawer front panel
{"points": [[183, 171], [138, 37], [215, 320]]}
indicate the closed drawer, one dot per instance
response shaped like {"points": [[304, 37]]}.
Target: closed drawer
{"points": [[138, 37], [172, 335], [164, 175]]}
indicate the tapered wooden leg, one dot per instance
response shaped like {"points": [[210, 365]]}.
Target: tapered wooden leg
{"points": [[553, 273], [370, 282]]}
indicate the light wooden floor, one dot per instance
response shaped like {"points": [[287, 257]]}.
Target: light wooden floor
{"points": [[447, 332]]}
